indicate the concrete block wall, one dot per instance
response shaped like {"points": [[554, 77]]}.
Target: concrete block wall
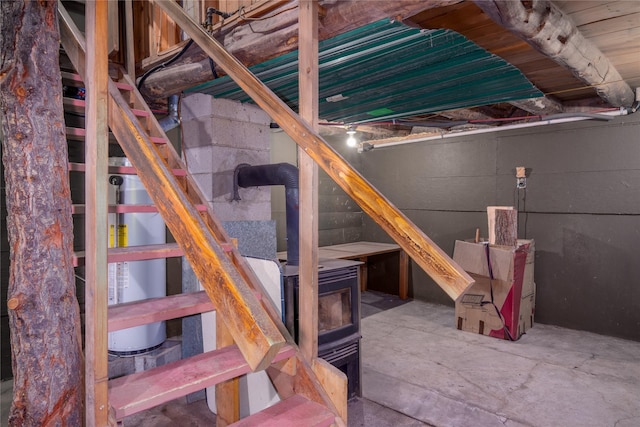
{"points": [[218, 135]]}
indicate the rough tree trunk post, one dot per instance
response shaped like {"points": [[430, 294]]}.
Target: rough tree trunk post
{"points": [[43, 311]]}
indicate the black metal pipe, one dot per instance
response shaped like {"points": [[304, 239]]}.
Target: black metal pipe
{"points": [[276, 174]]}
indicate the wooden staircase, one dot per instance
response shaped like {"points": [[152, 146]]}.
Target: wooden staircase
{"points": [[260, 339], [312, 391]]}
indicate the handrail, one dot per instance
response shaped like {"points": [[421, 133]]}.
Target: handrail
{"points": [[433, 260]]}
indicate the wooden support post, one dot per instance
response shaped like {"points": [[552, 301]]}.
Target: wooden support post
{"points": [[364, 273], [96, 237], [130, 62], [228, 392], [403, 279], [433, 260], [308, 88]]}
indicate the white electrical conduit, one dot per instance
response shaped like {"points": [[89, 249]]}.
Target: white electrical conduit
{"points": [[550, 120]]}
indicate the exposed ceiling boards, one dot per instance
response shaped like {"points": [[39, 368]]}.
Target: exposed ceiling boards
{"points": [[388, 70], [608, 34], [467, 19], [614, 27]]}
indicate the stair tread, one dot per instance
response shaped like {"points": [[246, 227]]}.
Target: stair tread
{"points": [[138, 392], [79, 134], [78, 106], [124, 170], [80, 209], [295, 411], [144, 312], [135, 253]]}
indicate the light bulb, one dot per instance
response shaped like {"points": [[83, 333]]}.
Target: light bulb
{"points": [[351, 141]]}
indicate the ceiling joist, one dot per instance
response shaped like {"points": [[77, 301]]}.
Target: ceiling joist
{"points": [[545, 27]]}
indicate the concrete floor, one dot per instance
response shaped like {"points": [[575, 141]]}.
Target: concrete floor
{"points": [[416, 362], [419, 370]]}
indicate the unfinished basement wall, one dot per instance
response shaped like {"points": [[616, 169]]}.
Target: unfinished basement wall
{"points": [[582, 207]]}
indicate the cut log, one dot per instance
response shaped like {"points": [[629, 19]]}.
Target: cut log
{"points": [[543, 25], [506, 228], [136, 313], [44, 318], [492, 223], [253, 42]]}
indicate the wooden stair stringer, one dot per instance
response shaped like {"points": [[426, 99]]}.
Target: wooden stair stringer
{"points": [[255, 333], [304, 381]]}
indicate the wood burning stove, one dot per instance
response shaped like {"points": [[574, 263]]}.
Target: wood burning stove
{"points": [[338, 315]]}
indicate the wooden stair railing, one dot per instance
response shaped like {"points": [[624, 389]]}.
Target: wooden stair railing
{"points": [[220, 268], [433, 260]]}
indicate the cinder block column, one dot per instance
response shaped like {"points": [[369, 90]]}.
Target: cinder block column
{"points": [[218, 135]]}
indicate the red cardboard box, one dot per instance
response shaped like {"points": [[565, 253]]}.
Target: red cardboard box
{"points": [[502, 301]]}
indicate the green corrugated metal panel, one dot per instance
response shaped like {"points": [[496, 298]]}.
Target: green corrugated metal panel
{"points": [[388, 70]]}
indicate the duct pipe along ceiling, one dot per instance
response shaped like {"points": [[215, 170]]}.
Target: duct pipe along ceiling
{"points": [[285, 174]]}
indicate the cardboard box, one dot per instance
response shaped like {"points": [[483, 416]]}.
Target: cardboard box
{"points": [[501, 303]]}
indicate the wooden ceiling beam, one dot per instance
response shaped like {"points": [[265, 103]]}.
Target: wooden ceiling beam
{"points": [[547, 29], [263, 38], [543, 105]]}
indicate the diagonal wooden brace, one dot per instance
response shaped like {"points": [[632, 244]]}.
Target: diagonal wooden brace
{"points": [[433, 260]]}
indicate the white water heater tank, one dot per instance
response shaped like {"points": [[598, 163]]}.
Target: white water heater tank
{"points": [[134, 280]]}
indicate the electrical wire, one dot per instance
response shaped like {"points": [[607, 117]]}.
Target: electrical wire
{"points": [[164, 64]]}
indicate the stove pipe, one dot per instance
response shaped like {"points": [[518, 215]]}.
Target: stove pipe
{"points": [[285, 174]]}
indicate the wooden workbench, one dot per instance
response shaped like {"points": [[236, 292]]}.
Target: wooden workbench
{"points": [[361, 251]]}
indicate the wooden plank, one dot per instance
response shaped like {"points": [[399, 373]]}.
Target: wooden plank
{"points": [[506, 227], [596, 10], [308, 181], [77, 105], [134, 393], [79, 134], [433, 260], [134, 253], [96, 237], [113, 33], [627, 25], [82, 209], [72, 40], [130, 58], [335, 382], [403, 279], [293, 412], [144, 312], [227, 392], [122, 170]]}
